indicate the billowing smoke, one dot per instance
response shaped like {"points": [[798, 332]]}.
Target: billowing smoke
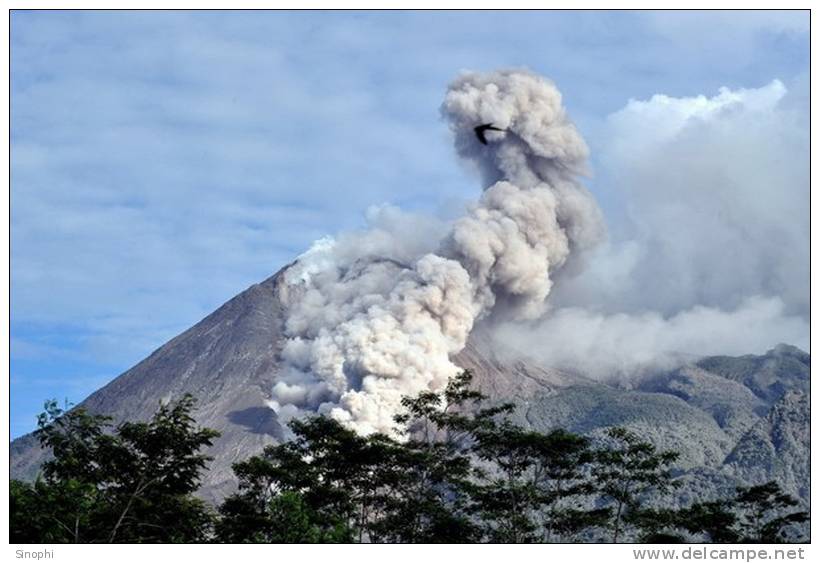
{"points": [[377, 315], [709, 238], [620, 347], [707, 252]]}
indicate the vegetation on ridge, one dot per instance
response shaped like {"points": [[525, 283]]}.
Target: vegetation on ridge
{"points": [[464, 473]]}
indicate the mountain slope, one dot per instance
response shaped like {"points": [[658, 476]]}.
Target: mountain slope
{"points": [[723, 409], [227, 361], [769, 376], [777, 446]]}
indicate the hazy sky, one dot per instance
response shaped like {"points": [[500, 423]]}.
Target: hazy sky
{"points": [[164, 161]]}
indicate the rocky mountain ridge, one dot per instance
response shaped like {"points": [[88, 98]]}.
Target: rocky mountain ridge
{"points": [[735, 421]]}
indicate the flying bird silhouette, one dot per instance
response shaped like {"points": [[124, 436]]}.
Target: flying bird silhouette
{"points": [[479, 131]]}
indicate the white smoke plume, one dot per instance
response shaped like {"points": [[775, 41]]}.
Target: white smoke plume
{"points": [[711, 253], [376, 315], [621, 347]]}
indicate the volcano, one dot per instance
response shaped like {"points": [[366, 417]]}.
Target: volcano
{"points": [[734, 420], [360, 320]]}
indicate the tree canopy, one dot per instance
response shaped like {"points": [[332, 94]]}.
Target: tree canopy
{"points": [[461, 471]]}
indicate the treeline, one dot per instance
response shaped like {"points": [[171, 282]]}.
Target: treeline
{"points": [[464, 473]]}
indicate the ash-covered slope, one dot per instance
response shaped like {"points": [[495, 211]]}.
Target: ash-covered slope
{"points": [[785, 368], [730, 424], [229, 362], [777, 447]]}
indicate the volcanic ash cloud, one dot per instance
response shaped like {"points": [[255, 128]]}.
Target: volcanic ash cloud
{"points": [[376, 315]]}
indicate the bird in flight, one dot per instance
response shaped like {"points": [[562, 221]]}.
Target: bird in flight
{"points": [[481, 129]]}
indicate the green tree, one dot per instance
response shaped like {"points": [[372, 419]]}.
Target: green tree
{"points": [[572, 522], [714, 520], [425, 483], [765, 513], [627, 471], [370, 488], [152, 469], [506, 495], [461, 472], [329, 468], [42, 512], [533, 486], [63, 504], [134, 484], [656, 525], [563, 460], [756, 514], [293, 521]]}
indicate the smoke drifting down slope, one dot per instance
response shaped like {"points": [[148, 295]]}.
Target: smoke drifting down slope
{"points": [[377, 315]]}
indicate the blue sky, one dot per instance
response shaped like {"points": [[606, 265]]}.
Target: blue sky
{"points": [[164, 161]]}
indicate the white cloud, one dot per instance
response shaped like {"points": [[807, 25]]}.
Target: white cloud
{"points": [[712, 254], [715, 192], [638, 129], [164, 161], [622, 345]]}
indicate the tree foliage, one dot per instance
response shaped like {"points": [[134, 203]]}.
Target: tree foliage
{"points": [[132, 484], [766, 514], [458, 469], [626, 471]]}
